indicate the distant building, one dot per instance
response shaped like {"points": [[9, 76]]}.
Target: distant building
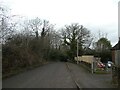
{"points": [[116, 54]]}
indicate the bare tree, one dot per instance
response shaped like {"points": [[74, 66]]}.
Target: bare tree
{"points": [[73, 33], [35, 25], [55, 39], [7, 27]]}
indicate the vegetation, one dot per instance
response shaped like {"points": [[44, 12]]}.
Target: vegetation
{"points": [[73, 34], [33, 42], [102, 49]]}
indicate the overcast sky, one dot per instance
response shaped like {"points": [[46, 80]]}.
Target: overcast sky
{"points": [[93, 14]]}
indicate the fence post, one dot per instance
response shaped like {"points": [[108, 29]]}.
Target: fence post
{"points": [[92, 67]]}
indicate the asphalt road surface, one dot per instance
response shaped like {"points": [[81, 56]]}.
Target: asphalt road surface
{"points": [[57, 75], [53, 75], [88, 80]]}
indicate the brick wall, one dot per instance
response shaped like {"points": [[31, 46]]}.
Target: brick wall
{"points": [[116, 75]]}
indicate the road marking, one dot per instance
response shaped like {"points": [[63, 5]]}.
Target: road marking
{"points": [[73, 78]]}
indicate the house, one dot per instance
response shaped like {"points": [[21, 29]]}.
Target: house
{"points": [[116, 66], [116, 54]]}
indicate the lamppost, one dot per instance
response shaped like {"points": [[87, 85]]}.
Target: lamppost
{"points": [[77, 50]]}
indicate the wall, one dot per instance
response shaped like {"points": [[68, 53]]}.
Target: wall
{"points": [[85, 58], [113, 56], [116, 75], [117, 57]]}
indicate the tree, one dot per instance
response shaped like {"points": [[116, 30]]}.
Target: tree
{"points": [[35, 25], [103, 44], [46, 36], [7, 26], [102, 48], [72, 33]]}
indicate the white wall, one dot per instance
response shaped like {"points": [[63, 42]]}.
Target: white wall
{"points": [[85, 58]]}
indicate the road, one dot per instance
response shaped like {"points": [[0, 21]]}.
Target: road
{"points": [[57, 75], [88, 80], [54, 75]]}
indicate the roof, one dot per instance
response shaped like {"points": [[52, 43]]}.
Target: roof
{"points": [[117, 46]]}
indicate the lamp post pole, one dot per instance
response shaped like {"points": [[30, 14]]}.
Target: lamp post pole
{"points": [[77, 51]]}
